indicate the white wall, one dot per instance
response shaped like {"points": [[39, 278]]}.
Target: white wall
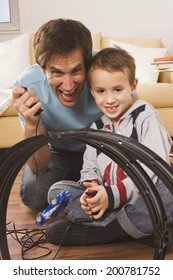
{"points": [[121, 18]]}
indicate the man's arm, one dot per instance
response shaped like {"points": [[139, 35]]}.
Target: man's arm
{"points": [[39, 161], [28, 104]]}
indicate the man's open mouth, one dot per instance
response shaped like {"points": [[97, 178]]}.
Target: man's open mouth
{"points": [[68, 95]]}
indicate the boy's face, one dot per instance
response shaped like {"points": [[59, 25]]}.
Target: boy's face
{"points": [[112, 92], [66, 75]]}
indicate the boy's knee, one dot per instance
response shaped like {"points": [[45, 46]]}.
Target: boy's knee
{"points": [[61, 186]]}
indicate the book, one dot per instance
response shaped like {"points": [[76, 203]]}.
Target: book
{"points": [[163, 63], [163, 59]]}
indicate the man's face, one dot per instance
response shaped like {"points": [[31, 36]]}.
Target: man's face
{"points": [[66, 75]]}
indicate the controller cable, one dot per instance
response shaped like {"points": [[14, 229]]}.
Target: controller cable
{"points": [[29, 239]]}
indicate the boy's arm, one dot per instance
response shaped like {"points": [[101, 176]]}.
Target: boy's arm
{"points": [[90, 170], [153, 135]]}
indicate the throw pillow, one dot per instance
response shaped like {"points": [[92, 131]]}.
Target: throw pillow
{"points": [[14, 59], [5, 99], [145, 72]]}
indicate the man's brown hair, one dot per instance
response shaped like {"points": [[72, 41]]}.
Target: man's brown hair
{"points": [[61, 36]]}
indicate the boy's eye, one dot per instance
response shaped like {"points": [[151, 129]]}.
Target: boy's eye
{"points": [[118, 89], [100, 90]]}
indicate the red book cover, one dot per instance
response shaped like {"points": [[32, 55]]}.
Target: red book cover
{"points": [[162, 59]]}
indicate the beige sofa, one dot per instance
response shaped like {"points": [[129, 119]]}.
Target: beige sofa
{"points": [[159, 94]]}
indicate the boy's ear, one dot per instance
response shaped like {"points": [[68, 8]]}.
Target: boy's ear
{"points": [[134, 85], [91, 92]]}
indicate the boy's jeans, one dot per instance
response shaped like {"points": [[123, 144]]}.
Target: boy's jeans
{"points": [[137, 214]]}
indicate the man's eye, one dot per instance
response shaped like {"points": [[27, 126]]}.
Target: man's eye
{"points": [[55, 74], [77, 70]]}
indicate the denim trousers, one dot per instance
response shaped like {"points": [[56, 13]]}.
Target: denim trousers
{"points": [[34, 187], [137, 215]]}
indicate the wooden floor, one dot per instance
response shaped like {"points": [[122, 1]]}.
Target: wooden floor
{"points": [[24, 219]]}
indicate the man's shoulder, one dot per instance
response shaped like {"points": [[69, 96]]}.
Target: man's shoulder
{"points": [[31, 75]]}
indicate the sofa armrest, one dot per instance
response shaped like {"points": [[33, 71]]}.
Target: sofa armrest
{"points": [[160, 96], [165, 77]]}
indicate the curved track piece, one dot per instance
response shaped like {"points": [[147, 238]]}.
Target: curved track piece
{"points": [[108, 143]]}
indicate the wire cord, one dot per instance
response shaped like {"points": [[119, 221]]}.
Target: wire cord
{"points": [[32, 239]]}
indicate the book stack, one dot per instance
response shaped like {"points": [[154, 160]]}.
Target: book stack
{"points": [[163, 63]]}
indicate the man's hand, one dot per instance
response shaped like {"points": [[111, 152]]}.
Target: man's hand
{"points": [[27, 104]]}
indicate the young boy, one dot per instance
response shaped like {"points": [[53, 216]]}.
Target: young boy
{"points": [[117, 210]]}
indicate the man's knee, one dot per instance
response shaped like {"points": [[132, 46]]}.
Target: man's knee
{"points": [[34, 198], [32, 193]]}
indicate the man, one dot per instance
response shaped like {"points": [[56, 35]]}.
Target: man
{"points": [[56, 84]]}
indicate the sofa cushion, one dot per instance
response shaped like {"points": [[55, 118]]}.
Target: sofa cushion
{"points": [[96, 40], [145, 72], [146, 43], [14, 59], [5, 99]]}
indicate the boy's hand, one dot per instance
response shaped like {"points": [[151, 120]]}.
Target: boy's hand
{"points": [[97, 204]]}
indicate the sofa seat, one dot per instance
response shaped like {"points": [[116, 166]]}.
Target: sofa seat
{"points": [[12, 130]]}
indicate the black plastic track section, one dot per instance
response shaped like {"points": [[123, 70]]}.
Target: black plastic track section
{"points": [[123, 150]]}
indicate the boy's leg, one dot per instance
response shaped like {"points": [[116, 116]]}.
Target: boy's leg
{"points": [[78, 228], [80, 234], [73, 211], [67, 233], [139, 215], [34, 187]]}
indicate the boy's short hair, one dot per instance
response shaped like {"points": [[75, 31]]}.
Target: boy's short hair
{"points": [[61, 36], [113, 60]]}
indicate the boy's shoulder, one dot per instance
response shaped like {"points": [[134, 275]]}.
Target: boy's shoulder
{"points": [[139, 104]]}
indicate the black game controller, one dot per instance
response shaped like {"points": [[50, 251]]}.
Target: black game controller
{"points": [[39, 111]]}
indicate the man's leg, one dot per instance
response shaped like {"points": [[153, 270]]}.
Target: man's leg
{"points": [[34, 187]]}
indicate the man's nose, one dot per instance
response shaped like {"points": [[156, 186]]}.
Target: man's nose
{"points": [[68, 83]]}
